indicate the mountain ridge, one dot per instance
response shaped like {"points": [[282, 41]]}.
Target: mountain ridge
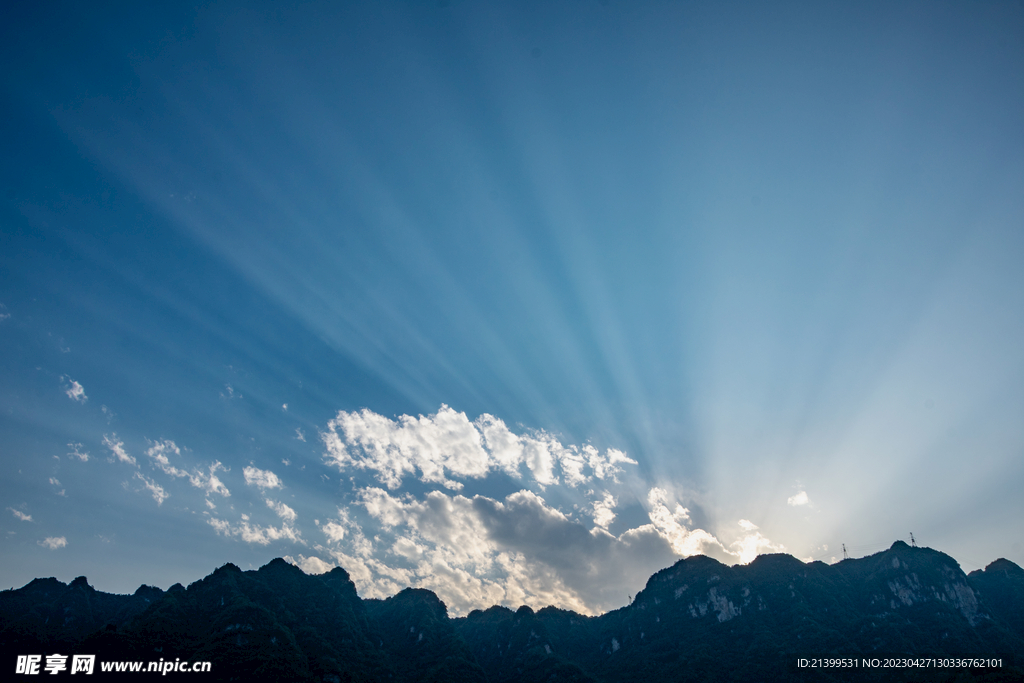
{"points": [[696, 620]]}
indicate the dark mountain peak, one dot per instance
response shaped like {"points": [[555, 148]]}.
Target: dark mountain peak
{"points": [[338, 573], [279, 563], [775, 562], [81, 583], [699, 562], [46, 585], [687, 570], [278, 623], [775, 559], [152, 592], [419, 597], [524, 611], [280, 567], [492, 613], [1004, 566]]}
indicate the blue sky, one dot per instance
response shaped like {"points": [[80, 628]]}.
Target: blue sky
{"points": [[519, 302]]}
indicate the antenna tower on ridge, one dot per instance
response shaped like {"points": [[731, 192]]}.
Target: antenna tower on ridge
{"points": [[845, 555], [913, 543]]}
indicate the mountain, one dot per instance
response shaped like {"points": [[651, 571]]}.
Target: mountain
{"points": [[697, 620]]}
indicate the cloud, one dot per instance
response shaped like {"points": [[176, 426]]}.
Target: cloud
{"points": [[55, 482], [75, 391], [299, 435], [603, 515], [159, 452], [54, 542], [116, 447], [671, 524], [207, 480], [435, 447], [157, 491], [480, 551], [282, 510], [77, 451], [264, 479], [333, 531], [310, 565], [254, 533], [20, 515], [752, 543], [4, 315], [798, 499]]}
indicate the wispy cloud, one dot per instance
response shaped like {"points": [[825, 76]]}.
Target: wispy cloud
{"points": [[161, 452], [116, 447], [74, 390], [157, 491], [282, 510], [263, 479], [4, 315], [435, 447], [20, 515], [798, 499], [54, 542], [78, 451], [254, 533], [55, 482]]}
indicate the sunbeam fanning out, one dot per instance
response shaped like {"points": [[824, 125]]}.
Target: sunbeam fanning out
{"points": [[517, 302]]}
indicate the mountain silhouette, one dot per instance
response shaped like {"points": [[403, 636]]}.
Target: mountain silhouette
{"points": [[698, 620]]}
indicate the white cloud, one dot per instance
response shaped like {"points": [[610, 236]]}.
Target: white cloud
{"points": [[117, 448], [254, 533], [603, 515], [209, 481], [4, 315], [798, 499], [671, 524], [206, 481], [20, 515], [310, 565], [75, 391], [282, 510], [157, 491], [434, 448], [299, 435], [160, 451], [479, 551], [752, 543], [55, 482], [264, 479], [54, 542], [333, 531], [77, 451], [284, 407]]}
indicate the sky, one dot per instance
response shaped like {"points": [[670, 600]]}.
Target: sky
{"points": [[519, 302]]}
